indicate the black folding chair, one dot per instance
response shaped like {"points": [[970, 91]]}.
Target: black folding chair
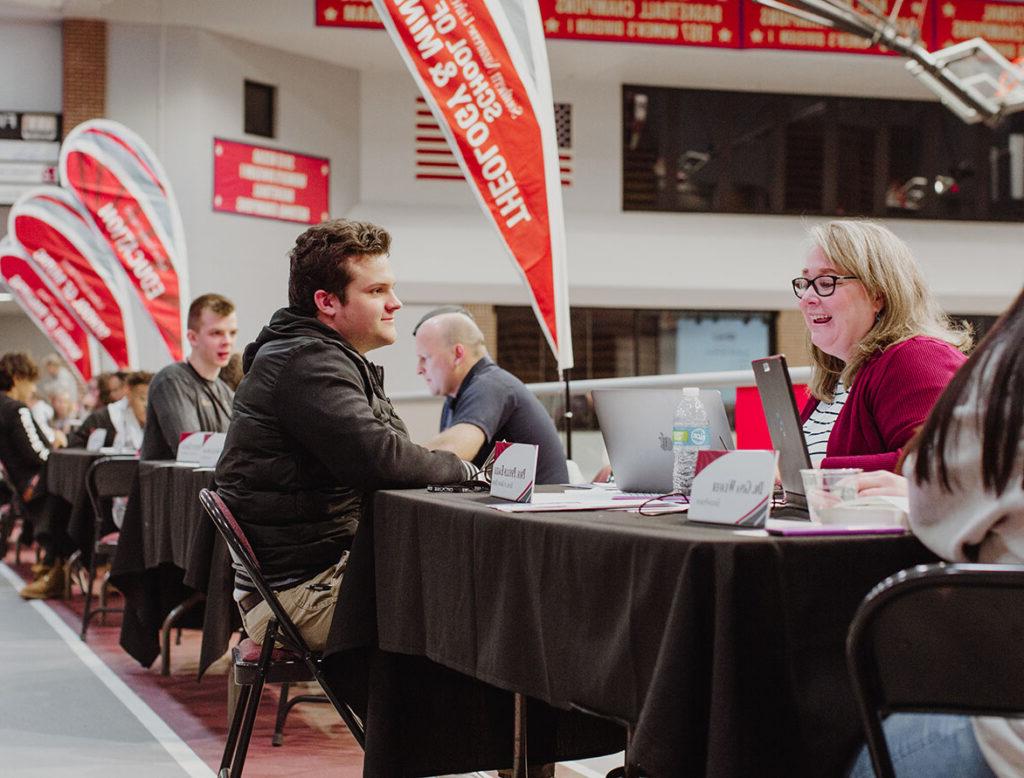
{"points": [[939, 638], [257, 664], [107, 478]]}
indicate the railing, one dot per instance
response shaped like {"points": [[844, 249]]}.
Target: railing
{"points": [[721, 380]]}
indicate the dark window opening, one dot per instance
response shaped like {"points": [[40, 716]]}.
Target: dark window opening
{"points": [[259, 109], [743, 152]]}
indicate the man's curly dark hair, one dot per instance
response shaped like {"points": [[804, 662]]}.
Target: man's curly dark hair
{"points": [[14, 365], [320, 259]]}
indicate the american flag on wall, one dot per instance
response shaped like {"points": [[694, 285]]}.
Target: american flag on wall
{"points": [[435, 161]]}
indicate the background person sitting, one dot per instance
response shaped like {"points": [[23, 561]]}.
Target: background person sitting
{"points": [[189, 396], [965, 483], [24, 451], [55, 377], [882, 350], [483, 403]]}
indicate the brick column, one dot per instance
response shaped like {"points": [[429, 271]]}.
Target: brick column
{"points": [[85, 71]]}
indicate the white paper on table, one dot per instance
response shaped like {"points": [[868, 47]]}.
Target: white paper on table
{"points": [[584, 500]]}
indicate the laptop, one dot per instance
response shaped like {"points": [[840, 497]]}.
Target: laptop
{"points": [[776, 388], [637, 428]]}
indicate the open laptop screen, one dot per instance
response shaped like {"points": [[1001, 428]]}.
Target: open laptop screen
{"points": [[776, 389]]}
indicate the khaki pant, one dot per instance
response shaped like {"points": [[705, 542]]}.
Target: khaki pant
{"points": [[310, 605]]}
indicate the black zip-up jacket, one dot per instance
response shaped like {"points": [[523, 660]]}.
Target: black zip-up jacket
{"points": [[23, 446], [312, 434]]}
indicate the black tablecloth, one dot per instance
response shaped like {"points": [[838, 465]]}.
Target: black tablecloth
{"points": [[65, 479], [724, 649], [167, 551]]}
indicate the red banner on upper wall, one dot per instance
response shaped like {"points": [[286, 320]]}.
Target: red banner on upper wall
{"points": [[768, 28], [269, 183], [1001, 24], [674, 22]]}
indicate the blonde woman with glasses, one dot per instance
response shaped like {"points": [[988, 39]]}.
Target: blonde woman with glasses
{"points": [[881, 348]]}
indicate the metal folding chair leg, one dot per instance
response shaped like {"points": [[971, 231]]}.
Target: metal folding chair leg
{"points": [[169, 623]]}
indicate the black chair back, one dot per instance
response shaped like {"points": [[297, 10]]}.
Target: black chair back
{"points": [[938, 638], [110, 477], [242, 552]]}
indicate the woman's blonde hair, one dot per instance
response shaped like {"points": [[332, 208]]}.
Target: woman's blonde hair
{"points": [[884, 265]]}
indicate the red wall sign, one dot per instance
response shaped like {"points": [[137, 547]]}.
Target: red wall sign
{"points": [[1001, 24], [270, 183], [768, 28]]}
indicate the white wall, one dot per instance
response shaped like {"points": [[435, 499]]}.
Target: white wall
{"points": [[30, 60], [19, 333], [179, 88]]}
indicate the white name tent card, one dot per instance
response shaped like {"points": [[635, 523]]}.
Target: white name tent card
{"points": [[96, 439], [210, 452], [190, 445], [735, 489], [514, 471]]}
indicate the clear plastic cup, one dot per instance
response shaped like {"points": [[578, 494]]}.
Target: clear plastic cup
{"points": [[826, 488]]}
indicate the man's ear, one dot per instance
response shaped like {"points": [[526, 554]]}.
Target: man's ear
{"points": [[325, 302], [460, 352], [192, 336]]}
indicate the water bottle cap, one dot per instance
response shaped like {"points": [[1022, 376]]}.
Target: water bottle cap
{"points": [[691, 391]]}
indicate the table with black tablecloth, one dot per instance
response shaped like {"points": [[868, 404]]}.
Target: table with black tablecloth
{"points": [[168, 551], [65, 479], [723, 648]]}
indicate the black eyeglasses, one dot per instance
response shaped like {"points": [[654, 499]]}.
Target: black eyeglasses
{"points": [[824, 286]]}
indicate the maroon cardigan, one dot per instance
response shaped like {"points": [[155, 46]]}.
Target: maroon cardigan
{"points": [[891, 397]]}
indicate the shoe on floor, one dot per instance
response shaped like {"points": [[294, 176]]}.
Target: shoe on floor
{"points": [[49, 586]]}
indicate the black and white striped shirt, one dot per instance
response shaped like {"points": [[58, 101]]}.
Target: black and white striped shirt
{"points": [[818, 427]]}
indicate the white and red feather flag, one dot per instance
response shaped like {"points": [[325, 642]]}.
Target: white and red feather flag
{"points": [[49, 312], [481, 66], [126, 192], [49, 224]]}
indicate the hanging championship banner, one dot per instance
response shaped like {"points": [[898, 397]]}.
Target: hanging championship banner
{"points": [[486, 79], [765, 27], [129, 198], [1001, 24], [48, 223], [673, 22], [47, 311]]}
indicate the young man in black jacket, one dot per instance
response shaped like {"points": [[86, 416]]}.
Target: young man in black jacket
{"points": [[312, 432]]}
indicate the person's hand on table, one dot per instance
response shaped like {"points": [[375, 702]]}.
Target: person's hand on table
{"points": [[60, 440], [881, 482], [602, 476]]}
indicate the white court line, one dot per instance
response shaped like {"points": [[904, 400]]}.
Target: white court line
{"points": [[583, 770], [163, 734]]}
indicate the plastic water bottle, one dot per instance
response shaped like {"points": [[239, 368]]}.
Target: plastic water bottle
{"points": [[691, 431]]}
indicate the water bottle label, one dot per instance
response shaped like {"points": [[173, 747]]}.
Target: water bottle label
{"points": [[691, 436]]}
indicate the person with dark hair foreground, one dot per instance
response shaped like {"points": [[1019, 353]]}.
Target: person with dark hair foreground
{"points": [[965, 484], [313, 433], [189, 396]]}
